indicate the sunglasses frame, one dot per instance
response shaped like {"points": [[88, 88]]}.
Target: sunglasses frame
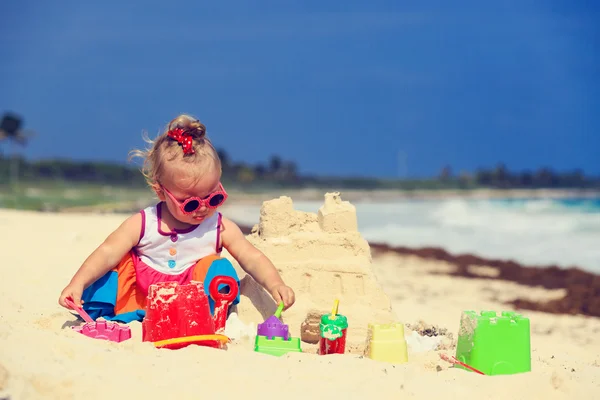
{"points": [[201, 202]]}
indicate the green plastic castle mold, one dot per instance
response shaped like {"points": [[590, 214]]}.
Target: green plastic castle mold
{"points": [[276, 346], [494, 344]]}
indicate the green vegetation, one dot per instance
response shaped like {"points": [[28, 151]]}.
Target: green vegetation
{"points": [[57, 195], [279, 173]]}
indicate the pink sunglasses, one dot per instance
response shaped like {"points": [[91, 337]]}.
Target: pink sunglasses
{"points": [[191, 204]]}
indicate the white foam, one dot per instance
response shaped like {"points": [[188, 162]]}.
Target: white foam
{"points": [[539, 232]]}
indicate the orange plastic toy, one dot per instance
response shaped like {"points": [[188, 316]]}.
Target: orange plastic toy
{"points": [[179, 315]]}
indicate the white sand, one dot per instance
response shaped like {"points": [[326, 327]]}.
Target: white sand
{"points": [[42, 358]]}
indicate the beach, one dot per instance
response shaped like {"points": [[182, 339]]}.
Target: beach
{"points": [[41, 357]]}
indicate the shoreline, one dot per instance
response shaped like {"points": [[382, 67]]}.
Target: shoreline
{"points": [[239, 196], [582, 287], [354, 195]]}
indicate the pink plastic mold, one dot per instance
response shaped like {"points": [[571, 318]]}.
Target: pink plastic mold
{"points": [[104, 330]]}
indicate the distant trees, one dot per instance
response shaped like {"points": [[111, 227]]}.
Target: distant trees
{"points": [[274, 170], [11, 131], [112, 173], [502, 178], [281, 172]]}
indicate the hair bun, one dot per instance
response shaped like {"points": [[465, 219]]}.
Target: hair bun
{"points": [[190, 125]]}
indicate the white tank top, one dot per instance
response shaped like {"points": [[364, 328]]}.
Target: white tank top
{"points": [[174, 252]]}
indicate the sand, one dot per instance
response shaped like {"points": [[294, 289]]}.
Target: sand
{"points": [[41, 357]]}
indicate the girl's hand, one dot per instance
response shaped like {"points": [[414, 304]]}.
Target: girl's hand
{"points": [[73, 291], [255, 263], [282, 292]]}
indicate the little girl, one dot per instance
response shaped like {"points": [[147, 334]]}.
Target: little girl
{"points": [[179, 239]]}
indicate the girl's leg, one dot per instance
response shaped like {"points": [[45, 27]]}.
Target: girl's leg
{"points": [[115, 293], [129, 298], [202, 266]]}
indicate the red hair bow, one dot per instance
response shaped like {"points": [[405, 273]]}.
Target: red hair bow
{"points": [[184, 139]]}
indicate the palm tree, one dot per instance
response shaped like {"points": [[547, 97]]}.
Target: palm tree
{"points": [[10, 129]]}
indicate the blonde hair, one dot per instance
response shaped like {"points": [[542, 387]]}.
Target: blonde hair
{"points": [[165, 149]]}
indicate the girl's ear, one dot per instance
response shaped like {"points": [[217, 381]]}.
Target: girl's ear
{"points": [[159, 191]]}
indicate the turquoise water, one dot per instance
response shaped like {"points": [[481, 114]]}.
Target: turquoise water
{"points": [[564, 232], [585, 205]]}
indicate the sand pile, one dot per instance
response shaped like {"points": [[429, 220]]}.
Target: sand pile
{"points": [[322, 257]]}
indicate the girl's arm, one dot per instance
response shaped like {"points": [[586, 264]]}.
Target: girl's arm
{"points": [[109, 253], [252, 260]]}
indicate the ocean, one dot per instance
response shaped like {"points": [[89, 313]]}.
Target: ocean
{"points": [[564, 232]]}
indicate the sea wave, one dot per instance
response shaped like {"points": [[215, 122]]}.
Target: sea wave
{"points": [[563, 232]]}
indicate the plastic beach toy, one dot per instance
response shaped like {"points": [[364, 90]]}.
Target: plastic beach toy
{"points": [[273, 337], [386, 342], [273, 327], [333, 332], [105, 330], [453, 360], [179, 315], [215, 340], [494, 343]]}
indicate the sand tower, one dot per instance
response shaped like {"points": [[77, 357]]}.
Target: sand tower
{"points": [[322, 257]]}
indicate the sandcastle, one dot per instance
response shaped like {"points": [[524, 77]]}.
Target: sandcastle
{"points": [[322, 257]]}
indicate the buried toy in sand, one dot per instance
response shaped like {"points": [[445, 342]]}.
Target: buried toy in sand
{"points": [[188, 306], [105, 330], [176, 316], [273, 336], [494, 344], [386, 342], [333, 329]]}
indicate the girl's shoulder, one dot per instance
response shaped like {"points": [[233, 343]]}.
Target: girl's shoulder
{"points": [[150, 211], [141, 222], [129, 231], [228, 227]]}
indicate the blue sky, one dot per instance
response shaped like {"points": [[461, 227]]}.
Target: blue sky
{"points": [[370, 88]]}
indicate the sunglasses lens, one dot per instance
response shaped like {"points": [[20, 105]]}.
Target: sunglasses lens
{"points": [[191, 206], [216, 200]]}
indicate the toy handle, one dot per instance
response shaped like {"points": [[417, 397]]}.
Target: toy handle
{"points": [[79, 310], [213, 289]]}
